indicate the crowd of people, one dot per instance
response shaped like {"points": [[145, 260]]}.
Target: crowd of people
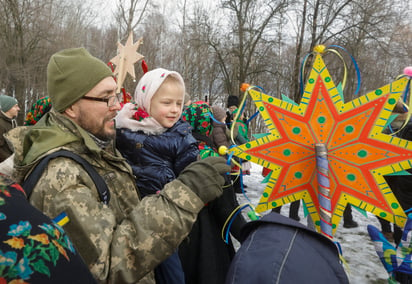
{"points": [[133, 193]]}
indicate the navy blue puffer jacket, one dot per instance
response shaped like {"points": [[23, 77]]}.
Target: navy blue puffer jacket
{"points": [[280, 250], [157, 159]]}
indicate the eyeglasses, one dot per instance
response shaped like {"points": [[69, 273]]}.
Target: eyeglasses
{"points": [[111, 101]]}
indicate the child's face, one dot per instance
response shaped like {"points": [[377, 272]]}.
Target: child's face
{"points": [[166, 104]]}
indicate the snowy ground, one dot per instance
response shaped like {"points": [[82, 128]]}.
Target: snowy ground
{"points": [[363, 264]]}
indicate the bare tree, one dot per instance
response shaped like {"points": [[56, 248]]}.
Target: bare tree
{"points": [[201, 67], [129, 14], [25, 30], [237, 50]]}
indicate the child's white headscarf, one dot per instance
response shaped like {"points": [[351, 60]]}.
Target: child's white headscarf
{"points": [[145, 90]]}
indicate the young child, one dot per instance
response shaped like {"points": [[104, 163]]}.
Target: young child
{"points": [[205, 256], [157, 143], [220, 133]]}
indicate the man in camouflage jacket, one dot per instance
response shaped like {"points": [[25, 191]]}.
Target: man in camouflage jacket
{"points": [[123, 241]]}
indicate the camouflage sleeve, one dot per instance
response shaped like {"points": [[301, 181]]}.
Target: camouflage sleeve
{"points": [[120, 243]]}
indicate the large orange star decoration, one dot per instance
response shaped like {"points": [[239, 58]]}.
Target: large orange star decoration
{"points": [[358, 153], [126, 59]]}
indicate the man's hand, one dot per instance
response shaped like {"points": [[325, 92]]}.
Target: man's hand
{"points": [[205, 177]]}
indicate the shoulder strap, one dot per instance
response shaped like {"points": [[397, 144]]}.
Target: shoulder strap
{"points": [[34, 176]]}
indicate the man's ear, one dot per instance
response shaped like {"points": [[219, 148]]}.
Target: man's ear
{"points": [[71, 111]]}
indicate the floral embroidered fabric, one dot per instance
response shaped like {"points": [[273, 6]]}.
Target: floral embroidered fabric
{"points": [[33, 249]]}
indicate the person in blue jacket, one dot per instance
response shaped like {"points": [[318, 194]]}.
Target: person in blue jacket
{"points": [[277, 249], [157, 143]]}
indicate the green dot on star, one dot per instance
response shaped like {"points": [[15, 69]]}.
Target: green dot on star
{"points": [[296, 130], [321, 119], [362, 153], [351, 177], [349, 129], [287, 152]]}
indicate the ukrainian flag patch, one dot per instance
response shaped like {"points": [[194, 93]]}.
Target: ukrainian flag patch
{"points": [[62, 219]]}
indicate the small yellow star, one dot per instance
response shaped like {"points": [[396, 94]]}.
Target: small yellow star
{"points": [[126, 59]]}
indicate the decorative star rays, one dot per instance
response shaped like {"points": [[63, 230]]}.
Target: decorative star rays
{"points": [[126, 59], [358, 153]]}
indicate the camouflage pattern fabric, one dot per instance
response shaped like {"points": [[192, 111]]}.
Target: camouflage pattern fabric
{"points": [[122, 242]]}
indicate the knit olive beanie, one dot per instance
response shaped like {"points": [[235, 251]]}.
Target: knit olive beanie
{"points": [[7, 102], [71, 74]]}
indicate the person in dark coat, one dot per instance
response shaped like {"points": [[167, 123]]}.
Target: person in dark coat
{"points": [[9, 109], [220, 134], [401, 187], [232, 104], [277, 249], [156, 143], [205, 255], [399, 184]]}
